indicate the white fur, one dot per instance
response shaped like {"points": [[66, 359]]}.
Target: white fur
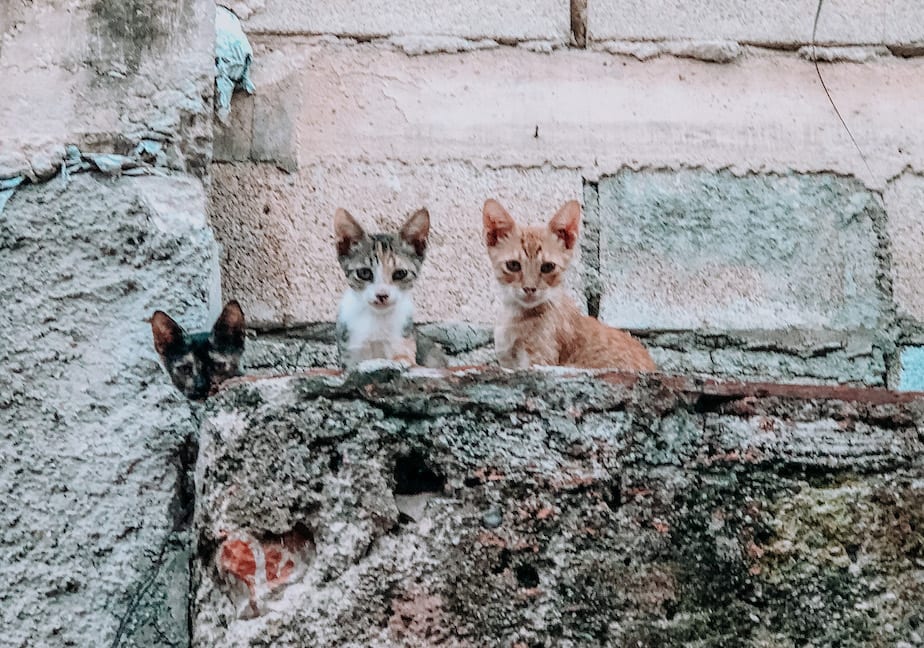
{"points": [[374, 331]]}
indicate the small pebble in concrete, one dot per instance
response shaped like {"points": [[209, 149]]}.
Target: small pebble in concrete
{"points": [[492, 518]]}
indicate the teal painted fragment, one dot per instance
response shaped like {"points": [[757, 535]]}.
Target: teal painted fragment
{"points": [[912, 369]]}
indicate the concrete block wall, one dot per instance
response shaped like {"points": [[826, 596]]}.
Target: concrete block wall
{"points": [[729, 218]]}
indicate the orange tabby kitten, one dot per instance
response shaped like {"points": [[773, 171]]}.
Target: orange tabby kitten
{"points": [[539, 322]]}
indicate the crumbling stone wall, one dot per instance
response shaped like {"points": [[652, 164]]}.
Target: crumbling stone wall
{"points": [[489, 508]]}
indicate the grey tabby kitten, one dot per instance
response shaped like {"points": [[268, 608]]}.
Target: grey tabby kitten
{"points": [[376, 316]]}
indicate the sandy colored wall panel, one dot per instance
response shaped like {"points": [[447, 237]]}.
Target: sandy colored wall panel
{"points": [[771, 22], [499, 20], [904, 201], [104, 74], [580, 109]]}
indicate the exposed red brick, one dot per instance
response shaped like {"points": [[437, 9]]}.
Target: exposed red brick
{"points": [[237, 559]]}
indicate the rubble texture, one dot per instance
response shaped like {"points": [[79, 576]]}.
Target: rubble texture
{"points": [[95, 441], [556, 509]]}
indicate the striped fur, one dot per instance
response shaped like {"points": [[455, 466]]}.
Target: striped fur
{"points": [[376, 315]]}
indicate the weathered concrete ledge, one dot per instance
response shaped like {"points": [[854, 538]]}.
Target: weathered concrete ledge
{"points": [[488, 508]]}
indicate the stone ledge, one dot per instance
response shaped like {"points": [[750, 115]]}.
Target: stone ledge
{"points": [[480, 507], [815, 357]]}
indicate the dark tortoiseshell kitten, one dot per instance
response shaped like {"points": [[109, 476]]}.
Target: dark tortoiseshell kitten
{"points": [[199, 362]]}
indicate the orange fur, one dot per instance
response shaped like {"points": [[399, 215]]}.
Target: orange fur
{"points": [[539, 322]]}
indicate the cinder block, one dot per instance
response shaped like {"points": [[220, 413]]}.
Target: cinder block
{"points": [[517, 20], [691, 249], [904, 200], [277, 231], [582, 109], [769, 22]]}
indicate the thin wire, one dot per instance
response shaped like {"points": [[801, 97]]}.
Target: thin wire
{"points": [[828, 92]]}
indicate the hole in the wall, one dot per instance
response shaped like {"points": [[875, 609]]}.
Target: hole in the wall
{"points": [[670, 609], [335, 462], [852, 551], [527, 576], [711, 402], [612, 495], [299, 538], [503, 562], [413, 475]]}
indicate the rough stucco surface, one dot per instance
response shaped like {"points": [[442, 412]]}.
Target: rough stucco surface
{"points": [[696, 250], [501, 20], [540, 509], [770, 22], [104, 74], [94, 543]]}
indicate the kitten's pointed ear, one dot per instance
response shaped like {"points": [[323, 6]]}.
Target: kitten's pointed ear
{"points": [[498, 223], [228, 332], [169, 337], [416, 229], [347, 231], [566, 223]]}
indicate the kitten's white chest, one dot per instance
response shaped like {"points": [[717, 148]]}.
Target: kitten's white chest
{"points": [[370, 333]]}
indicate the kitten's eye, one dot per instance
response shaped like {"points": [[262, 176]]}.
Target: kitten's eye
{"points": [[513, 266], [547, 267], [365, 274], [399, 275]]}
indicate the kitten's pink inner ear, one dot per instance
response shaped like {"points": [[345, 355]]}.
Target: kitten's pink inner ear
{"points": [[566, 223], [498, 223], [232, 315], [347, 231], [416, 229], [230, 324], [167, 333]]}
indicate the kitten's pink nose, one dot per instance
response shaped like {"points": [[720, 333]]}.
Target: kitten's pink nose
{"points": [[381, 298], [529, 291]]}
